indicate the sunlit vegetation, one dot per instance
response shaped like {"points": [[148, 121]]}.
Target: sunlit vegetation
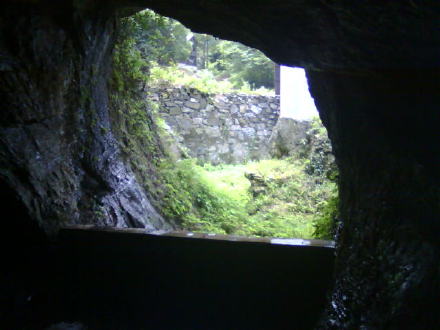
{"points": [[204, 80], [269, 198], [293, 197], [175, 55]]}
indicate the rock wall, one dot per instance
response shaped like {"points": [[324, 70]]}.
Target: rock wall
{"points": [[289, 137], [375, 85], [58, 151], [376, 88], [229, 128]]}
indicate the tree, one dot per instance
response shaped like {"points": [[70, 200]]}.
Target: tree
{"points": [[166, 42], [159, 39], [243, 64]]}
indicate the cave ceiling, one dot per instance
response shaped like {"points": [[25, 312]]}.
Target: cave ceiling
{"points": [[318, 34]]}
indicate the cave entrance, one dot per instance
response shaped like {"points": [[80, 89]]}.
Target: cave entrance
{"points": [[244, 169]]}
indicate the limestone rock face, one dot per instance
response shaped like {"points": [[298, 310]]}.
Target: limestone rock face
{"points": [[373, 71], [58, 152], [388, 249]]}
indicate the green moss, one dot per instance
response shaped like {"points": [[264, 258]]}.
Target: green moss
{"points": [[208, 199], [132, 116], [219, 199]]}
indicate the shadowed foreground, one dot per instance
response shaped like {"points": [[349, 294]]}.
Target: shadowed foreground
{"points": [[131, 280]]}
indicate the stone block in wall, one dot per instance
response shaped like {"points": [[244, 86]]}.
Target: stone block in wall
{"points": [[227, 121], [198, 121], [287, 137], [184, 123], [212, 132], [203, 103], [199, 131], [223, 148], [174, 110], [209, 108], [249, 131], [234, 109], [249, 114], [240, 123], [192, 104], [213, 119], [255, 109]]}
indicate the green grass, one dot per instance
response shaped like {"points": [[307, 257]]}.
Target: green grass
{"points": [[230, 180], [219, 199], [204, 81]]}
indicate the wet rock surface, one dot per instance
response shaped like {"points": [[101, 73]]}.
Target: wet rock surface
{"points": [[388, 248], [58, 153], [373, 69]]}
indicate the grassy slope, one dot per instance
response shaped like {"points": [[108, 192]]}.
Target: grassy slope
{"points": [[287, 205]]}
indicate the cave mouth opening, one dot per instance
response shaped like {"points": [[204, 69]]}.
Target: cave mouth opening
{"points": [[258, 166]]}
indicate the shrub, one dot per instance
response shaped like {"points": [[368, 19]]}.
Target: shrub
{"points": [[326, 220], [198, 204], [218, 199], [202, 80]]}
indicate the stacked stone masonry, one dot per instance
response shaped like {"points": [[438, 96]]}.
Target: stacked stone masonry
{"points": [[227, 128]]}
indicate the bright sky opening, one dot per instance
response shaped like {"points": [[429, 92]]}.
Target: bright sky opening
{"points": [[296, 101]]}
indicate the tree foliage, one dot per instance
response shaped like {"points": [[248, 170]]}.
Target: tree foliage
{"points": [[242, 64], [159, 39], [290, 201], [164, 42]]}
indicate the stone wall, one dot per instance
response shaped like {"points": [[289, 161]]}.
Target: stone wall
{"points": [[228, 128]]}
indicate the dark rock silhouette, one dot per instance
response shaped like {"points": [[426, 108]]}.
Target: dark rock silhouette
{"points": [[373, 72]]}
